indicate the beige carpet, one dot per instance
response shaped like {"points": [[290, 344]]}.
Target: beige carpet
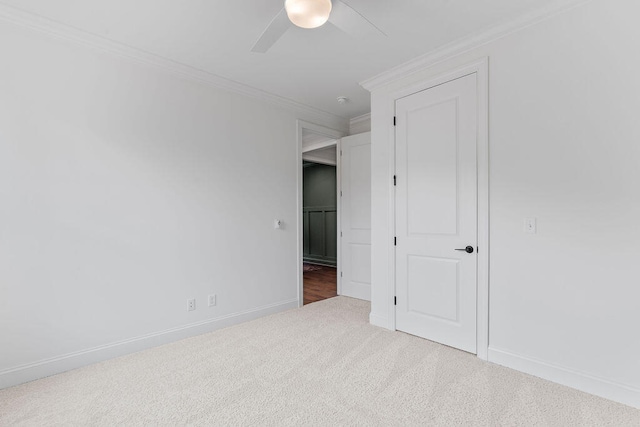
{"points": [[321, 365]]}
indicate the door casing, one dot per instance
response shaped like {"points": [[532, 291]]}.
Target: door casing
{"points": [[333, 134]]}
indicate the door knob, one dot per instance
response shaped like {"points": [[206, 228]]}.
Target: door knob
{"points": [[468, 249]]}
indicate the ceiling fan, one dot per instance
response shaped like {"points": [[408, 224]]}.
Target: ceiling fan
{"points": [[313, 14]]}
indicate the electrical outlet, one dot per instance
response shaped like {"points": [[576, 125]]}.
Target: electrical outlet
{"points": [[191, 305], [212, 300]]}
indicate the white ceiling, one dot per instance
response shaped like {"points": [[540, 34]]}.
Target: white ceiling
{"points": [[325, 156], [311, 139], [312, 67]]}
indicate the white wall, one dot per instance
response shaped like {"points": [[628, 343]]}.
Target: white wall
{"points": [[126, 191], [564, 148]]}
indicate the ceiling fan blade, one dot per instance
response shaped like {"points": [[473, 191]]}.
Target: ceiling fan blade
{"points": [[351, 22], [278, 26]]}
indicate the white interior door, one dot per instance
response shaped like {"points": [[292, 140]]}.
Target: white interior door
{"points": [[355, 217], [436, 213]]}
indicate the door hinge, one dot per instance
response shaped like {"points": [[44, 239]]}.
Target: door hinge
{"points": [[341, 152], [341, 274], [341, 234], [395, 300], [340, 193], [394, 180], [394, 120], [395, 241]]}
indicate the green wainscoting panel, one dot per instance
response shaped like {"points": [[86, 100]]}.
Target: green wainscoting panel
{"points": [[319, 217]]}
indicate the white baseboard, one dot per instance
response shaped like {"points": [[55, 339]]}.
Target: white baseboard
{"points": [[621, 393], [44, 368], [380, 321]]}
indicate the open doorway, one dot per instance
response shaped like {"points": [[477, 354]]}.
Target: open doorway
{"points": [[319, 216]]}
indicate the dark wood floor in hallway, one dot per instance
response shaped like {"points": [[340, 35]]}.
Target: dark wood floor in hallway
{"points": [[320, 284]]}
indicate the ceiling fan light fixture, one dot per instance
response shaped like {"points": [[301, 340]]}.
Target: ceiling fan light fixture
{"points": [[308, 13]]}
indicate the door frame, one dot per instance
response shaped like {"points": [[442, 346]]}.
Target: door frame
{"points": [[332, 134], [481, 69]]}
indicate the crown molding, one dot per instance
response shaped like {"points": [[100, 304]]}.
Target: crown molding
{"points": [[466, 44], [360, 119], [360, 124], [62, 31]]}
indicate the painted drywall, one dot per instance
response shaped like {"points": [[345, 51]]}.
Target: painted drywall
{"points": [[319, 186], [125, 192], [564, 99]]}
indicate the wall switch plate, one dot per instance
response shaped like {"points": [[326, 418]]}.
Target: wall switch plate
{"points": [[191, 305], [530, 226], [212, 300]]}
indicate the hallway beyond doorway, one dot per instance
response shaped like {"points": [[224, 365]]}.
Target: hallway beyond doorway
{"points": [[320, 282]]}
